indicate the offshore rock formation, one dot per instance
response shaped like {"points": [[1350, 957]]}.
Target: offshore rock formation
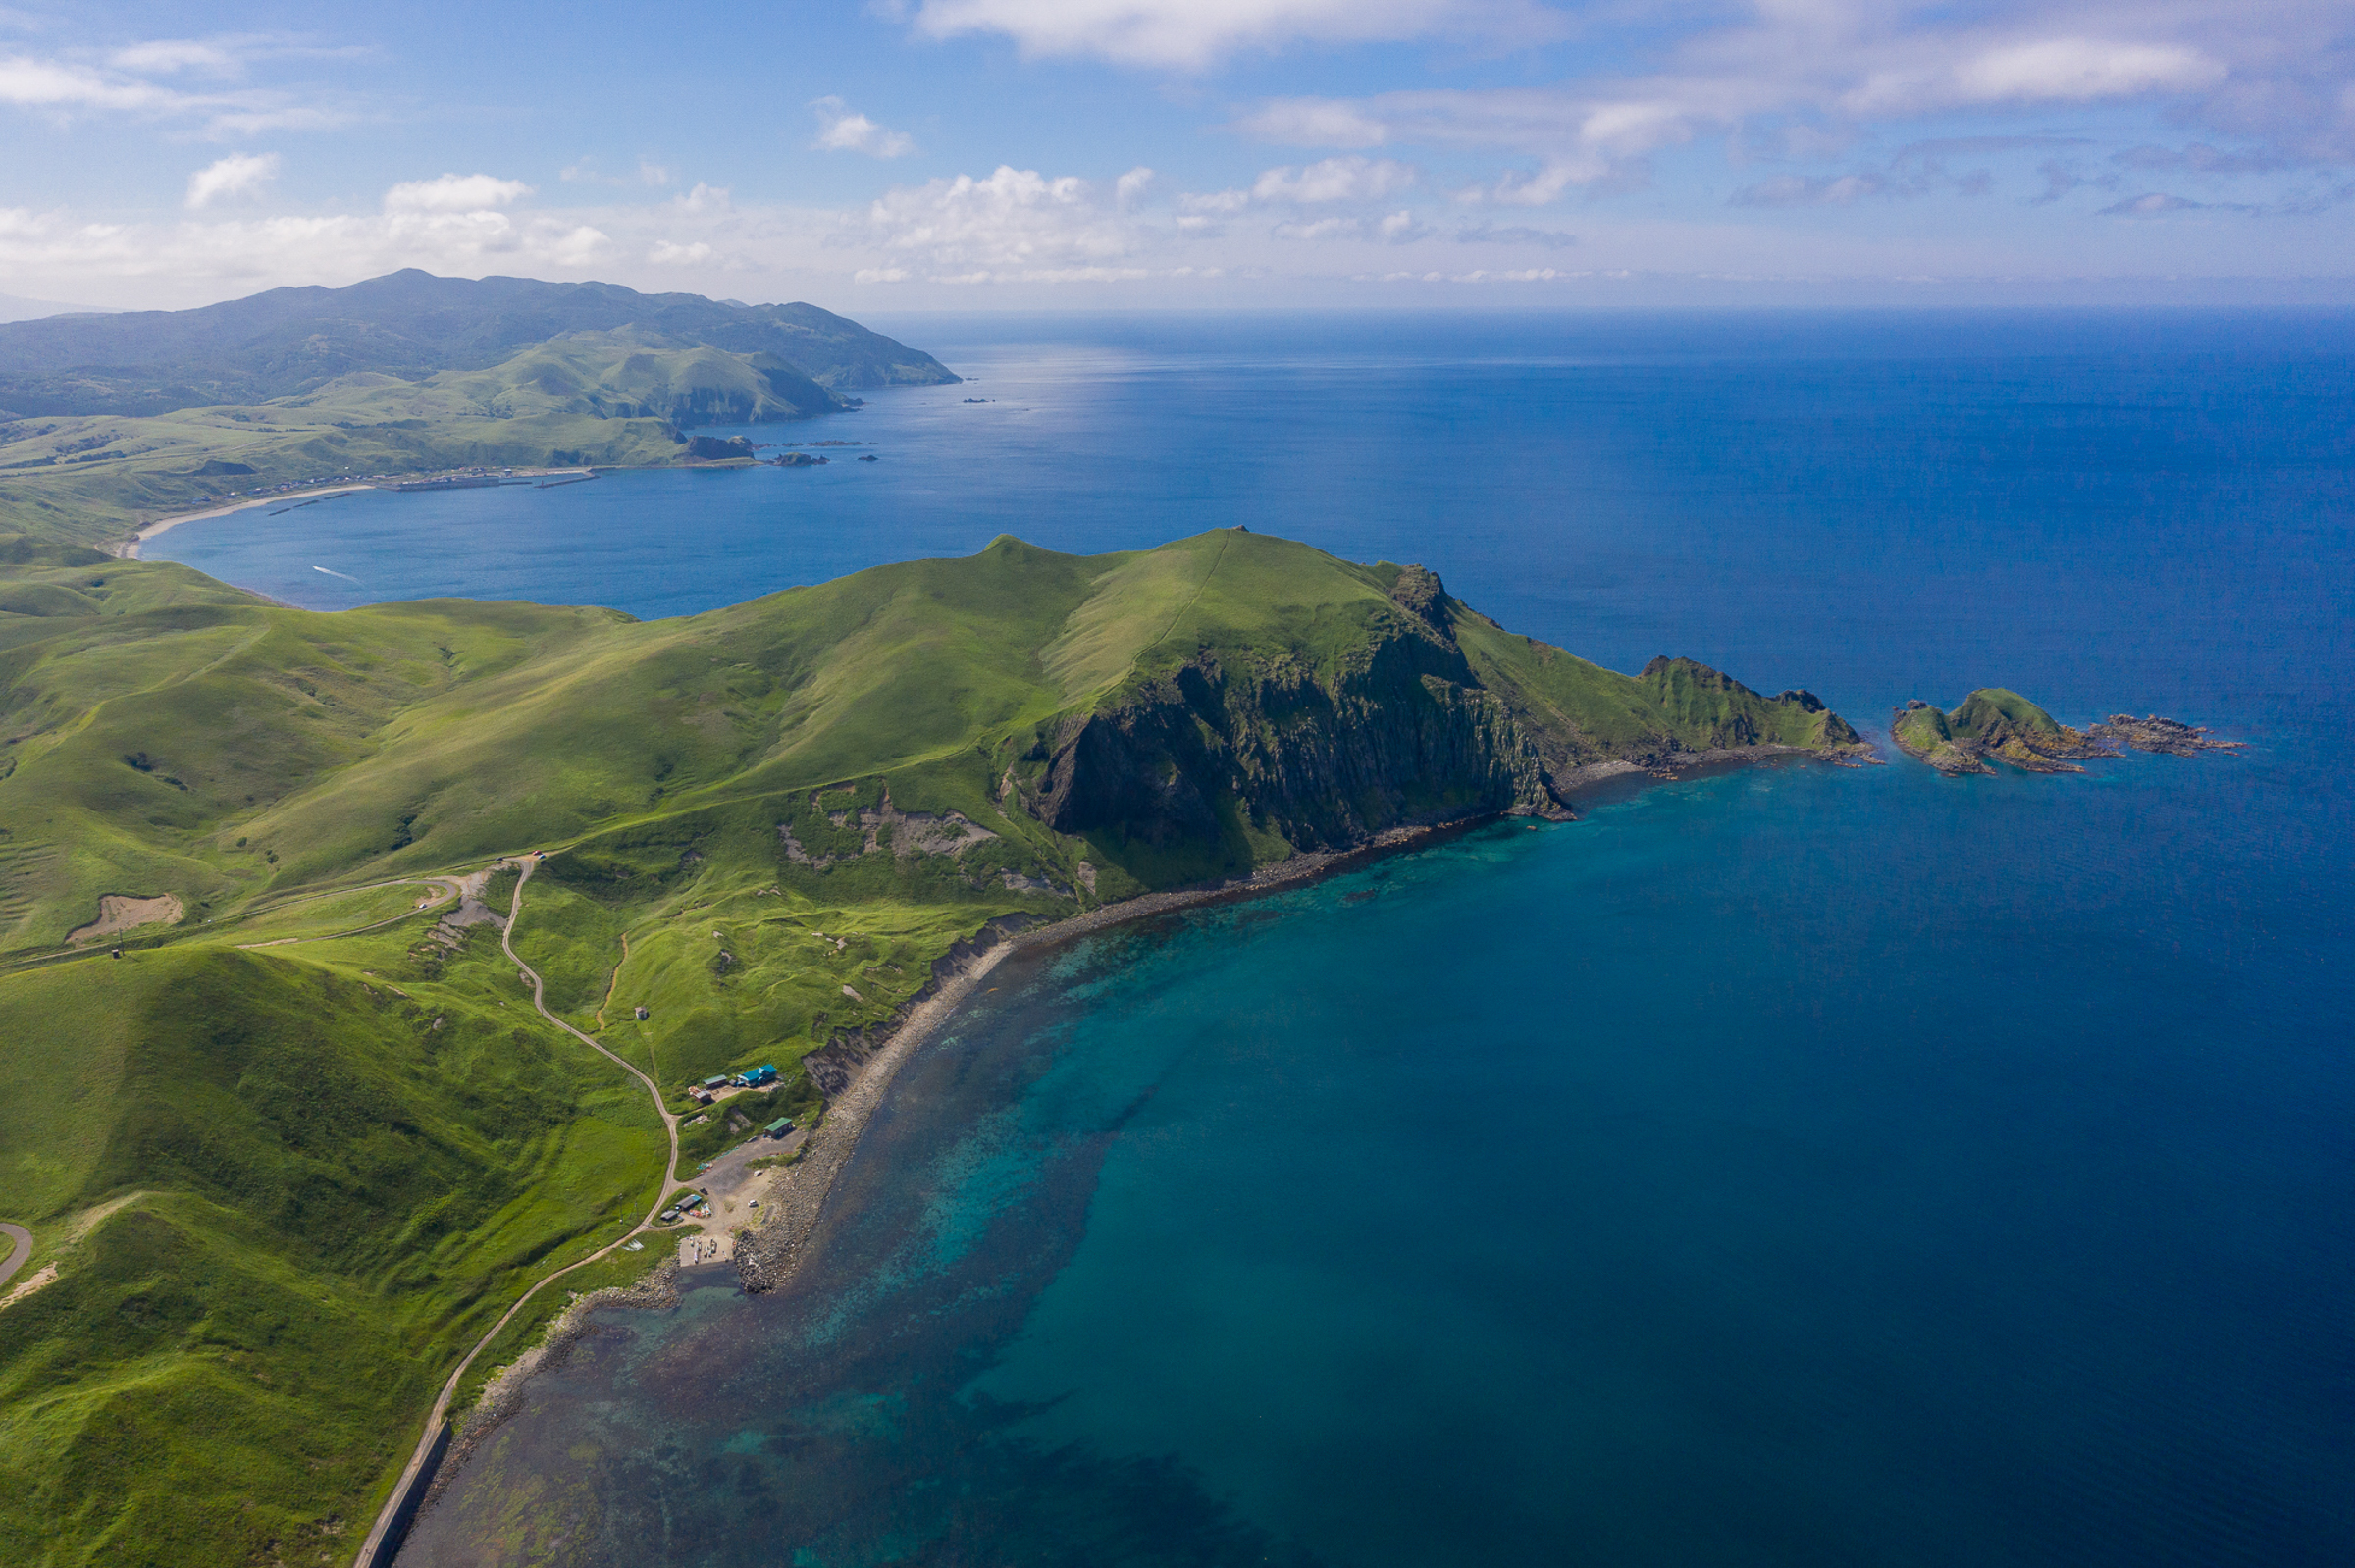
{"points": [[2004, 726]]}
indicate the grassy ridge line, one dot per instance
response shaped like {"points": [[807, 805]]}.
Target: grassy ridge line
{"points": [[440, 1414]]}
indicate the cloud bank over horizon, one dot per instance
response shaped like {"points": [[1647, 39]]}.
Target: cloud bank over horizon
{"points": [[971, 152]]}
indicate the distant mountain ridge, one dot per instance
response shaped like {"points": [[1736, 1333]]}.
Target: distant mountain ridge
{"points": [[110, 421], [15, 308], [409, 324]]}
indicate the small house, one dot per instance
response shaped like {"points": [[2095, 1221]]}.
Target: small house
{"points": [[780, 1128], [716, 1082], [756, 1076]]}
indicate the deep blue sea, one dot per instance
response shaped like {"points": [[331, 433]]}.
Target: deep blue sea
{"points": [[1797, 1166]]}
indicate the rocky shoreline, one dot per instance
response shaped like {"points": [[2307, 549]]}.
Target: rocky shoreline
{"points": [[864, 1065], [501, 1395], [860, 1066]]}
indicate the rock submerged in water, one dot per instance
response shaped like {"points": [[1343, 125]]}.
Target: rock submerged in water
{"points": [[2154, 734], [2003, 725]]}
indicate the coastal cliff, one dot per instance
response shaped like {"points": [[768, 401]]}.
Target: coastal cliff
{"points": [[1430, 712]]}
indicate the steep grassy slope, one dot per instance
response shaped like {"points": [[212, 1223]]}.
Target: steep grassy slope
{"points": [[770, 824], [407, 324], [284, 1195]]}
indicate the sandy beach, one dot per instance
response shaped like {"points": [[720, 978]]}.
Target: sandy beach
{"points": [[129, 550]]}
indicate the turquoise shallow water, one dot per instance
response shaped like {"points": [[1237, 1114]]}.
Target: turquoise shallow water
{"points": [[1797, 1166]]}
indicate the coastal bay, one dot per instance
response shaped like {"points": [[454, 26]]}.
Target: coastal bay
{"points": [[1310, 1227], [1653, 1182], [1560, 1108]]}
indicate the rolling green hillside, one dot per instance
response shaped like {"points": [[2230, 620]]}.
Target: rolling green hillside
{"points": [[284, 1187]]}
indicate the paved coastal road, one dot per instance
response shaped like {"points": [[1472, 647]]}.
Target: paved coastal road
{"points": [[371, 1549], [22, 1250]]}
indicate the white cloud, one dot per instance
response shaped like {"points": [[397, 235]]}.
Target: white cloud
{"points": [[1321, 229], [238, 255], [839, 129], [1805, 78], [1349, 179], [2035, 70], [1797, 190], [585, 172], [1191, 34], [2078, 69], [1215, 201], [705, 198], [2157, 204], [237, 174], [1316, 122], [1403, 229], [666, 253], [1017, 223], [31, 84], [163, 56], [85, 82], [456, 194], [1131, 187]]}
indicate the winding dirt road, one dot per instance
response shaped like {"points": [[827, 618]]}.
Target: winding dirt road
{"points": [[672, 1183]]}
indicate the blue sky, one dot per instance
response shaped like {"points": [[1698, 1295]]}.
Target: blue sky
{"points": [[970, 154]]}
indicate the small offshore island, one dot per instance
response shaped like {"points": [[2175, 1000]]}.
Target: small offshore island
{"points": [[1992, 723]]}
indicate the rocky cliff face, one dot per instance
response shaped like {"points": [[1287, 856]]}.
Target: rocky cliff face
{"points": [[1404, 732], [1409, 738]]}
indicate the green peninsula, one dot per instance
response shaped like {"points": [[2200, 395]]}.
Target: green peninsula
{"points": [[110, 421], [297, 1149]]}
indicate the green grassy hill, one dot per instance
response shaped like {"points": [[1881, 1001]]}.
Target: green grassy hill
{"points": [[284, 1185], [409, 325], [592, 398], [110, 421]]}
